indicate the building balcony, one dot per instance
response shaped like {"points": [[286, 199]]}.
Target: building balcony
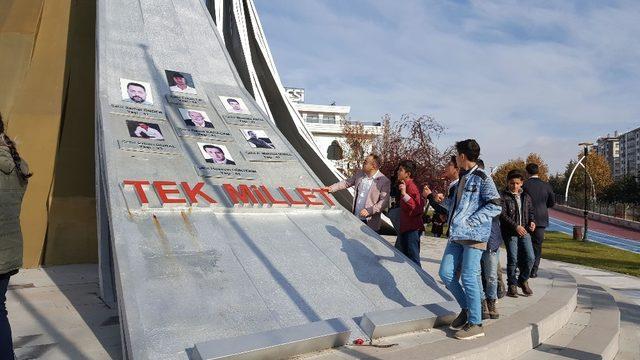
{"points": [[327, 126]]}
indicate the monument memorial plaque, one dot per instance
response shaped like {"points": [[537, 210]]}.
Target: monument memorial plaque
{"points": [[131, 110], [145, 146], [197, 123], [219, 135], [243, 120], [233, 172], [182, 100], [266, 155]]}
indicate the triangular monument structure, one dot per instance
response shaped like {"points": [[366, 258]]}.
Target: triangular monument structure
{"points": [[213, 225]]}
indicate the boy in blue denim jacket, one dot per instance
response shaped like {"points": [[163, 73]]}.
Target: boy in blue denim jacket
{"points": [[475, 203]]}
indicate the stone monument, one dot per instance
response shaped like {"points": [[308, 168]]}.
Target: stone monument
{"points": [[212, 225]]}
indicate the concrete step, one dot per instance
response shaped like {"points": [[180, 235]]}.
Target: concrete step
{"points": [[629, 338], [524, 324], [592, 330], [626, 291]]}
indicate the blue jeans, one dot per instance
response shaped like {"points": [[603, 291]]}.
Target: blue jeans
{"points": [[6, 344], [467, 259], [409, 244], [489, 265], [520, 255]]}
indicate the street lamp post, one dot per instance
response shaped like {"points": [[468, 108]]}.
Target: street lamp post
{"points": [[586, 187]]}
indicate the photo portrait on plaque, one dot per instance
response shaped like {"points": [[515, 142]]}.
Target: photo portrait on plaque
{"points": [[257, 138], [180, 82], [144, 130], [215, 154], [195, 118], [234, 105], [137, 92]]}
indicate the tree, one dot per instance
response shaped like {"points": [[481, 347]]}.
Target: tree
{"points": [[412, 138], [625, 190], [543, 168], [599, 171], [557, 182], [357, 142], [500, 173]]}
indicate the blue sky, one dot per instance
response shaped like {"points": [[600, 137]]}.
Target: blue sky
{"points": [[518, 76]]}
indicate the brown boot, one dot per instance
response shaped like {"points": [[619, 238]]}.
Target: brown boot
{"points": [[526, 290], [502, 288], [485, 310], [513, 291], [493, 312]]}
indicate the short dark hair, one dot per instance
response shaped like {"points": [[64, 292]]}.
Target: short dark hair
{"points": [[136, 84], [177, 74], [408, 166], [453, 161], [469, 148], [376, 159], [480, 163], [515, 174], [533, 169], [212, 147]]}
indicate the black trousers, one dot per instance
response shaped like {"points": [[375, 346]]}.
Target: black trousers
{"points": [[537, 237], [6, 345]]}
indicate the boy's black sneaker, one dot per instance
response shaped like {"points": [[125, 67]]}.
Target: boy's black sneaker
{"points": [[459, 322], [469, 331]]}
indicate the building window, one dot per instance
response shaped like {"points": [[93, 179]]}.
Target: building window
{"points": [[328, 119]]}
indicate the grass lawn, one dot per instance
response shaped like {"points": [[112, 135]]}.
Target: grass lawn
{"points": [[561, 247]]}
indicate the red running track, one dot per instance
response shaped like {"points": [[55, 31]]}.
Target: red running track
{"points": [[599, 226]]}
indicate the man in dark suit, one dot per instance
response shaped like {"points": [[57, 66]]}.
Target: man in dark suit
{"points": [[543, 198]]}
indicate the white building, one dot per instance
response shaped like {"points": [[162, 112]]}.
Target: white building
{"points": [[325, 123]]}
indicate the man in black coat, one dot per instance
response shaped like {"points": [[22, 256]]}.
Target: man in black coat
{"points": [[543, 198]]}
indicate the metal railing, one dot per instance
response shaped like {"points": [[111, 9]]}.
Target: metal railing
{"points": [[365, 123], [617, 210], [317, 120]]}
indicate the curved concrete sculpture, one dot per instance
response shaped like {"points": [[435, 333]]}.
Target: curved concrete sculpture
{"points": [[241, 31], [219, 231]]}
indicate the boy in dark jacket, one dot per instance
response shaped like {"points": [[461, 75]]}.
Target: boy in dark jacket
{"points": [[516, 219], [411, 210]]}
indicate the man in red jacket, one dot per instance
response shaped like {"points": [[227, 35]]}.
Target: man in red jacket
{"points": [[411, 210]]}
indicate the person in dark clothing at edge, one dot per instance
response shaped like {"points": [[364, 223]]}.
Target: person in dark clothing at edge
{"points": [[516, 220], [14, 177], [490, 268], [411, 210], [543, 198], [450, 173], [475, 203]]}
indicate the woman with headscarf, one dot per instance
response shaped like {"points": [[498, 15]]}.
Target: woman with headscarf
{"points": [[14, 176]]}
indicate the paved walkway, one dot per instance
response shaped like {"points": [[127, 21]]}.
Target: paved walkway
{"points": [[601, 227], [596, 236], [56, 312]]}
